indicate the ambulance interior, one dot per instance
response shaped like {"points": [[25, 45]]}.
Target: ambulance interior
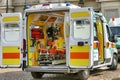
{"points": [[46, 39]]}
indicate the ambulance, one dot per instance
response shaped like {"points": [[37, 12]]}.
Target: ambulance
{"points": [[114, 25], [10, 39], [65, 38]]}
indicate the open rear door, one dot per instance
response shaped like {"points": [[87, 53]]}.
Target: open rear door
{"points": [[11, 27], [81, 39]]}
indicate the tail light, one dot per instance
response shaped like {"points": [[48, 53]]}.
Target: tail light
{"points": [[46, 4], [24, 48], [107, 44]]}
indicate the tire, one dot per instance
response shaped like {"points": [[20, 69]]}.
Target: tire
{"points": [[113, 66], [84, 74], [37, 75], [119, 59]]}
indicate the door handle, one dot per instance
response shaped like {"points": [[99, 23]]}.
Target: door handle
{"points": [[80, 43]]}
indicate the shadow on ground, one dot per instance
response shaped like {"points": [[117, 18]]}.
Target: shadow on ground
{"points": [[22, 75], [116, 78]]}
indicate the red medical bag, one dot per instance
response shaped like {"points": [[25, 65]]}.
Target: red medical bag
{"points": [[37, 33]]}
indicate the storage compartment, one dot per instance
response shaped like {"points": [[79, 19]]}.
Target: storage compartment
{"points": [[47, 40]]}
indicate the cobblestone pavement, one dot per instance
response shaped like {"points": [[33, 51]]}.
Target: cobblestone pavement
{"points": [[98, 74]]}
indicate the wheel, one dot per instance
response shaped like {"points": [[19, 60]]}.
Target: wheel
{"points": [[84, 74], [113, 66], [37, 75]]}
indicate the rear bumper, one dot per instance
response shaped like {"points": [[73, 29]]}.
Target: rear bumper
{"points": [[52, 69]]}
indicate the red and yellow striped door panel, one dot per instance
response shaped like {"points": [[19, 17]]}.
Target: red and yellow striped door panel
{"points": [[11, 55], [79, 56]]}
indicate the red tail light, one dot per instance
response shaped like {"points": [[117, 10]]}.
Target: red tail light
{"points": [[46, 4], [24, 44], [24, 48]]}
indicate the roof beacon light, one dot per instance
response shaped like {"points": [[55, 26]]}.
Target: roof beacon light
{"points": [[113, 19], [46, 6], [67, 3], [27, 7]]}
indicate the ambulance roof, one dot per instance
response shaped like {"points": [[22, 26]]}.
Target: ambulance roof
{"points": [[114, 22], [51, 6]]}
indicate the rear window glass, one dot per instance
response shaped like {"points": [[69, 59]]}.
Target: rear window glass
{"points": [[82, 29]]}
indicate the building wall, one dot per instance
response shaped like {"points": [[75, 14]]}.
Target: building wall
{"points": [[106, 0], [3, 6], [43, 1], [3, 2], [96, 6], [111, 9], [19, 4]]}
